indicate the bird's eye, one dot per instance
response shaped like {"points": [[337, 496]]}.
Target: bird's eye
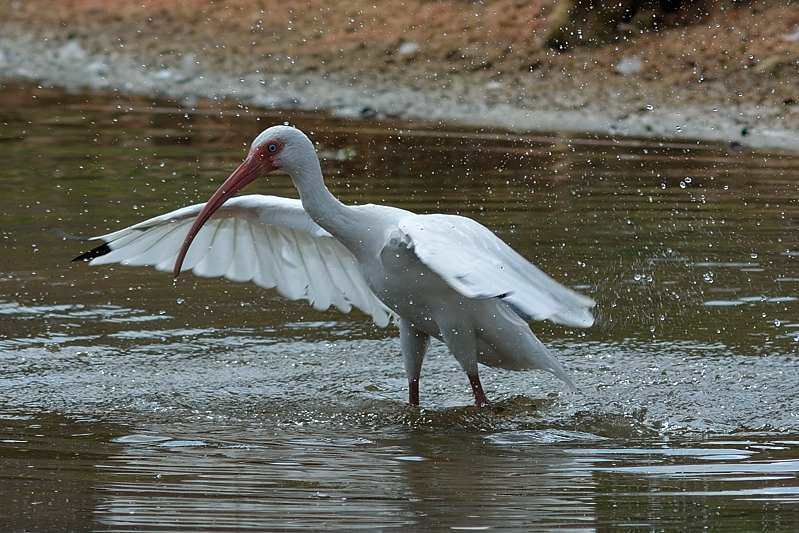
{"points": [[272, 147]]}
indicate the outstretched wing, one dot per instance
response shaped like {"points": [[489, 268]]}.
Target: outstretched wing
{"points": [[478, 264], [268, 240]]}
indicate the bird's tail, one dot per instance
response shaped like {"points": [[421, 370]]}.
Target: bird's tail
{"points": [[561, 373], [522, 352]]}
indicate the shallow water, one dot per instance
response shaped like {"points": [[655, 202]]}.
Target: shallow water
{"points": [[130, 402]]}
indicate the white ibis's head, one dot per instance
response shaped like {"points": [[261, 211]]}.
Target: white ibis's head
{"points": [[281, 148], [277, 148]]}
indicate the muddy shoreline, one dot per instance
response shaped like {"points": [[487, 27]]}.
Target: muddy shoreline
{"points": [[609, 91]]}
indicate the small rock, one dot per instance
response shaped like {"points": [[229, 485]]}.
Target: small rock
{"points": [[792, 37], [629, 66], [493, 85], [408, 49], [98, 68], [368, 112], [72, 50]]}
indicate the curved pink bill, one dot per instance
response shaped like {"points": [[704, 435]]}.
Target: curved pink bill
{"points": [[247, 171]]}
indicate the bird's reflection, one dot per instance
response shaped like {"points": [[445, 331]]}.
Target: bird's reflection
{"points": [[467, 481], [402, 477]]}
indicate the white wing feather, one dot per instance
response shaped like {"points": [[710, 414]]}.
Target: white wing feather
{"points": [[478, 264], [268, 240]]}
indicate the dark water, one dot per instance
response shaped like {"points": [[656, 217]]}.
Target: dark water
{"points": [[132, 403]]}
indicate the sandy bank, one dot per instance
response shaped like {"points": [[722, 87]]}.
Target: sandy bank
{"points": [[732, 77]]}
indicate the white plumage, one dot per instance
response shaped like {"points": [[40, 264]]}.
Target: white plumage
{"points": [[478, 264], [267, 240], [440, 276]]}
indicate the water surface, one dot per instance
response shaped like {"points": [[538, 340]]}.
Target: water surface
{"points": [[132, 402]]}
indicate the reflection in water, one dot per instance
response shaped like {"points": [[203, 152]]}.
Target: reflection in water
{"points": [[47, 473], [207, 405], [433, 481], [201, 475]]}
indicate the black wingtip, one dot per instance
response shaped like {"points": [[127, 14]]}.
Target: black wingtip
{"points": [[94, 252]]}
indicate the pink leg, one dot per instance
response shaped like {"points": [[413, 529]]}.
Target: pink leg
{"points": [[413, 392], [414, 344], [477, 388]]}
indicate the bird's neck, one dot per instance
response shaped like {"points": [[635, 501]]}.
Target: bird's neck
{"points": [[324, 208]]}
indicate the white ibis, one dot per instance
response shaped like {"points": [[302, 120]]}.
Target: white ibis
{"points": [[442, 276]]}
